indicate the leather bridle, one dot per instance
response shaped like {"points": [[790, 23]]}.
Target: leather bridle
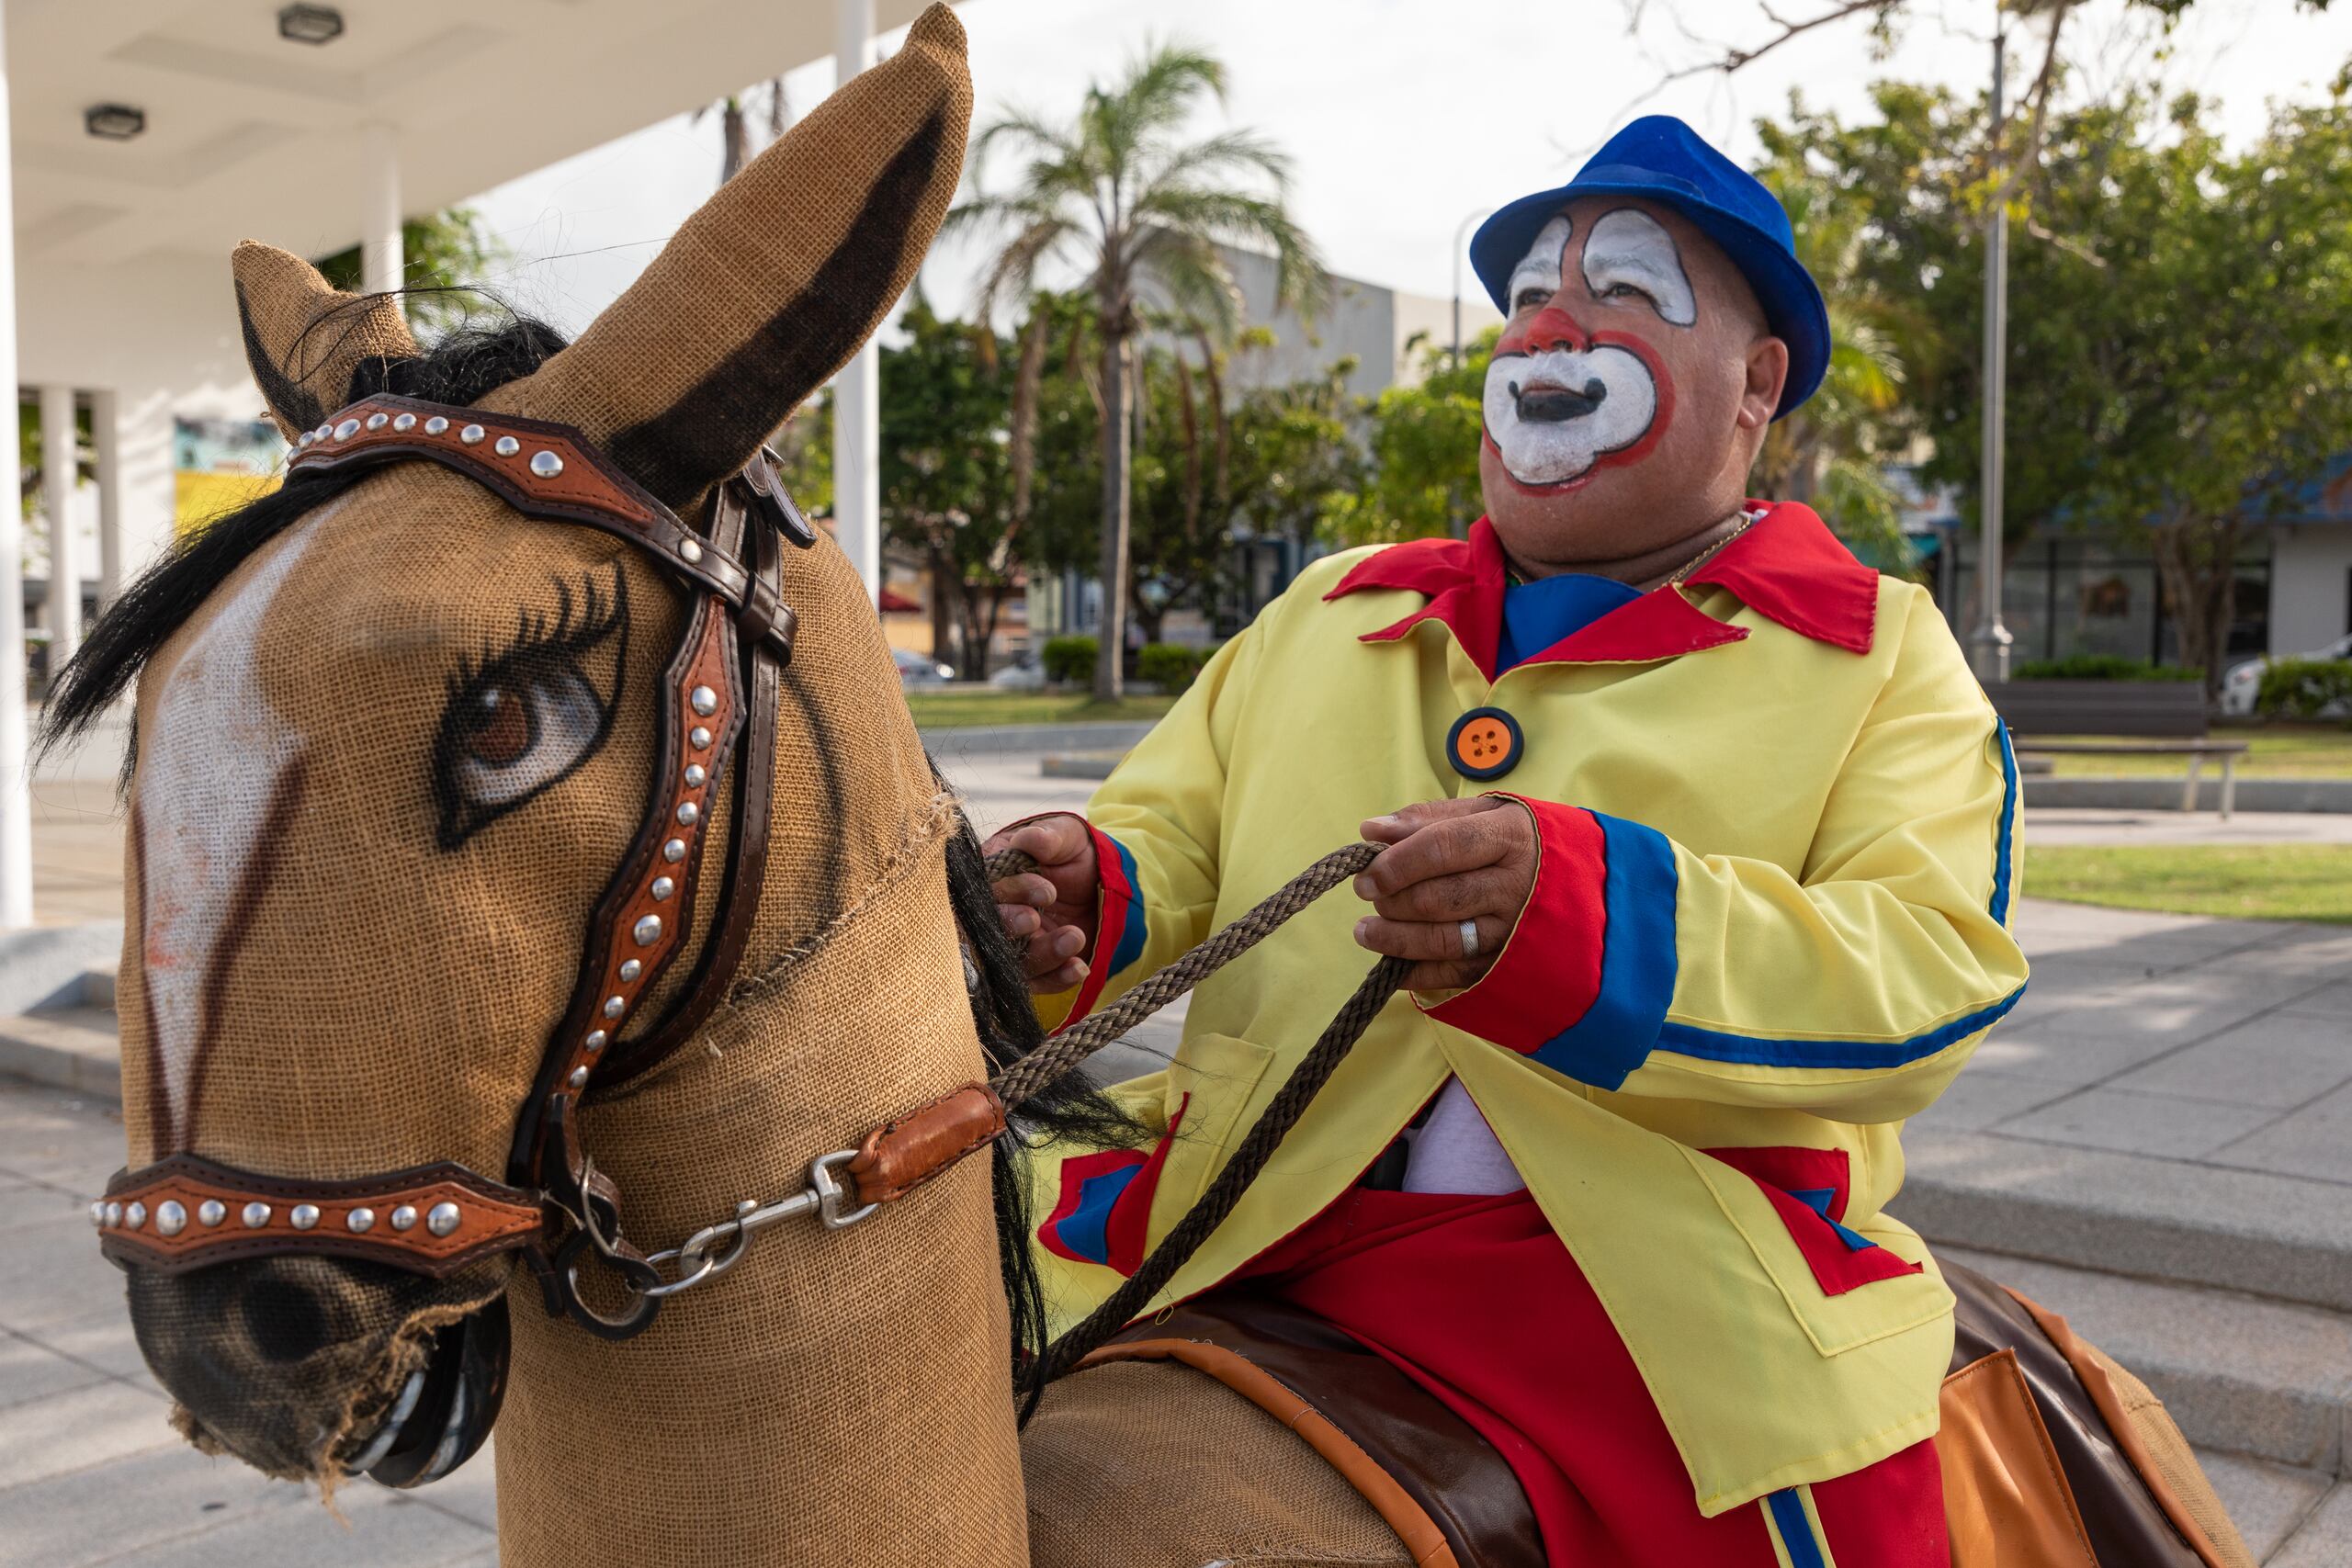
{"points": [[719, 706]]}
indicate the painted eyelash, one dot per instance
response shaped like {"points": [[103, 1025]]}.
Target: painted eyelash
{"points": [[581, 621]]}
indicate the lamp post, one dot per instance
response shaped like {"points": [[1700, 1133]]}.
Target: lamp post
{"points": [[1988, 645], [1461, 243]]}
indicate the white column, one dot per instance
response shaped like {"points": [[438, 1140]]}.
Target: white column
{"points": [[379, 209], [857, 391], [106, 443], [15, 788], [60, 460]]}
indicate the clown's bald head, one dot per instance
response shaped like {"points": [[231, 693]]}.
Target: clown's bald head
{"points": [[1630, 392]]}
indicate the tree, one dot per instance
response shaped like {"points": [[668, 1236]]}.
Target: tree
{"points": [[443, 256], [1424, 446], [735, 127], [1120, 193], [2177, 358], [1210, 465], [946, 477], [1832, 451], [2016, 174]]}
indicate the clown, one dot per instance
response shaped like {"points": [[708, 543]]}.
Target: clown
{"points": [[1702, 842]]}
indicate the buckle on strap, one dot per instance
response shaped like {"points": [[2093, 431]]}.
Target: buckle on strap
{"points": [[187, 1212]]}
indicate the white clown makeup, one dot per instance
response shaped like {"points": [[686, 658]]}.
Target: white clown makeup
{"points": [[1630, 250], [1562, 399]]}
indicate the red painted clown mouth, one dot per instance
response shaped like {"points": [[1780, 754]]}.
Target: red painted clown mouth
{"points": [[1560, 404]]}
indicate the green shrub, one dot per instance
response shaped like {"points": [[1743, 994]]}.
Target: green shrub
{"points": [[2303, 688], [1170, 666], [1070, 660], [2100, 667]]}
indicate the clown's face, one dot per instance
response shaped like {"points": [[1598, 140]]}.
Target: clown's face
{"points": [[1629, 392]]}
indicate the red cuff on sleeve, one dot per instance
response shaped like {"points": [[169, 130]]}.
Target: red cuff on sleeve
{"points": [[1549, 971], [1119, 925]]}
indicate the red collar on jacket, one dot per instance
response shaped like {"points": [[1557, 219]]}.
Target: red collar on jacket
{"points": [[1787, 568]]}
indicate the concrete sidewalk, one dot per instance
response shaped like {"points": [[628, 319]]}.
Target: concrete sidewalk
{"points": [[2158, 1143]]}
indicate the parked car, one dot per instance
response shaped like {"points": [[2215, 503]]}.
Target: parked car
{"points": [[2244, 683], [1026, 675], [921, 668]]}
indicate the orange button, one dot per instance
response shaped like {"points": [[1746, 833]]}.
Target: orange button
{"points": [[1483, 743]]}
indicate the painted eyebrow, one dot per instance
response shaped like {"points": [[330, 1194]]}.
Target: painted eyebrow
{"points": [[1630, 246], [1542, 266]]}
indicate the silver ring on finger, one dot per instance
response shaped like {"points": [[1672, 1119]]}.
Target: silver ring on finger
{"points": [[1469, 938]]}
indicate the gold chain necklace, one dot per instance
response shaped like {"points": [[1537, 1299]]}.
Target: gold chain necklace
{"points": [[1513, 578], [1746, 520]]}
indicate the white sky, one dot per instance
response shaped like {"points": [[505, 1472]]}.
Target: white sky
{"points": [[1404, 116]]}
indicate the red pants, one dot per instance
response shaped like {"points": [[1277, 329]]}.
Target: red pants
{"points": [[1477, 1301]]}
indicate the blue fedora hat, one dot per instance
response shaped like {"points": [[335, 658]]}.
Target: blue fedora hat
{"points": [[1660, 158]]}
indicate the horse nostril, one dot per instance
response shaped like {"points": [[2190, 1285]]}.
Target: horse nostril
{"points": [[284, 1319]]}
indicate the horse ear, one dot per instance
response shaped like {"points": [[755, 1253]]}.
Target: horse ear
{"points": [[304, 338], [779, 278]]}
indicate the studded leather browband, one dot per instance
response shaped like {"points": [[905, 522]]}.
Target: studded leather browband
{"points": [[553, 473], [718, 699]]}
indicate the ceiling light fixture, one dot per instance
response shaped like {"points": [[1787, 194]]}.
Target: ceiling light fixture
{"points": [[114, 123], [309, 24]]}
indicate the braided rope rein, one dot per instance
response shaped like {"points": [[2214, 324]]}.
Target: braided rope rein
{"points": [[1065, 1051]]}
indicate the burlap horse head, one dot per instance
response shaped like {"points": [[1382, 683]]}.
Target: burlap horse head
{"points": [[393, 736]]}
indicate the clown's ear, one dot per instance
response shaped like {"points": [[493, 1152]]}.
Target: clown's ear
{"points": [[770, 288], [304, 338]]}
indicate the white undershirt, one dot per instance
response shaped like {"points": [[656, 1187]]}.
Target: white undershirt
{"points": [[1455, 1151]]}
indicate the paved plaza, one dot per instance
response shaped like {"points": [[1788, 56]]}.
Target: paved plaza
{"points": [[2163, 1125]]}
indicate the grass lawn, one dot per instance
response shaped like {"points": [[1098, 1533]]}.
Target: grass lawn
{"points": [[2279, 752], [964, 710], [2265, 882]]}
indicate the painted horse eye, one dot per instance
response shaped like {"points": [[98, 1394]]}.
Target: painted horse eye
{"points": [[532, 714], [523, 733], [501, 729]]}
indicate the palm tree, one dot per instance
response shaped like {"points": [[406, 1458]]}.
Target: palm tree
{"points": [[1120, 193], [734, 123]]}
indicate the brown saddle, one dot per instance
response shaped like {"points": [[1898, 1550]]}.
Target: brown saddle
{"points": [[2054, 1456]]}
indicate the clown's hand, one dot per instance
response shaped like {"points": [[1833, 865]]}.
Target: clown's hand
{"points": [[1448, 862], [1049, 913]]}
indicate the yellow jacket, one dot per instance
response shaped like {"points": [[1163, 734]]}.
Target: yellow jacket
{"points": [[1779, 825]]}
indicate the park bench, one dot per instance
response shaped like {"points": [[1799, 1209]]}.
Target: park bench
{"points": [[2163, 718]]}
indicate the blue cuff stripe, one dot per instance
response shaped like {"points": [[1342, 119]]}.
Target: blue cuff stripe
{"points": [[1689, 1039], [2009, 824], [1131, 937], [1796, 1530], [1637, 961]]}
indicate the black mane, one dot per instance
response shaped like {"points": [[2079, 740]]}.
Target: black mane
{"points": [[464, 366]]}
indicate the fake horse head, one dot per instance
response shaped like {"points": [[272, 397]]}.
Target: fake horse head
{"points": [[395, 730]]}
